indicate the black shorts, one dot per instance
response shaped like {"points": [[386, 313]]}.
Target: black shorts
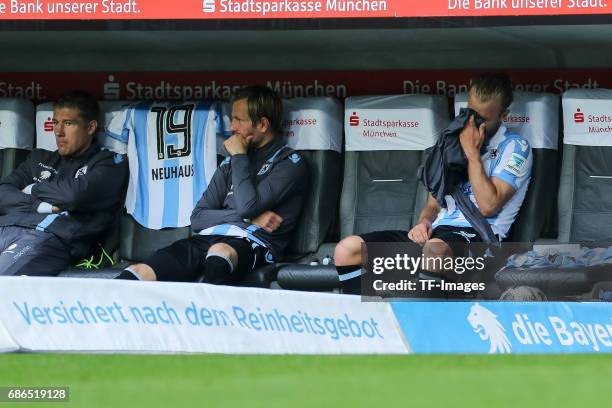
{"points": [[183, 261], [457, 238]]}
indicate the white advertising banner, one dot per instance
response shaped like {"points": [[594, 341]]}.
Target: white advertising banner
{"points": [[16, 123], [534, 116], [396, 122], [45, 138], [7, 344], [587, 117], [313, 123], [64, 314]]}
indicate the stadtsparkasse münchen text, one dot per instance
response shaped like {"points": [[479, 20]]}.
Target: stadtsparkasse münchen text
{"points": [[265, 7]]}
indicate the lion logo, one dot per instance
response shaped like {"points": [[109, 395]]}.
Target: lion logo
{"points": [[485, 324], [45, 174]]}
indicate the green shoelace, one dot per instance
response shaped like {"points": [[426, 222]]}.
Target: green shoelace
{"points": [[90, 264]]}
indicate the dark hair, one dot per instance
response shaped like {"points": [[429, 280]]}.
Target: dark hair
{"points": [[86, 104], [488, 85], [262, 102]]}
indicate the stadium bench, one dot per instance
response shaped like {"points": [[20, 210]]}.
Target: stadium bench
{"points": [[312, 126], [380, 189], [16, 132], [584, 195]]}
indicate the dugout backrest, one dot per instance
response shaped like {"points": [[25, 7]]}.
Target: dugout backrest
{"points": [[45, 138], [385, 137], [534, 116], [313, 126], [585, 193], [226, 121], [16, 132]]}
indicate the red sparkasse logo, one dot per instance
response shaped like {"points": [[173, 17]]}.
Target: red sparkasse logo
{"points": [[48, 125], [578, 116], [354, 119]]}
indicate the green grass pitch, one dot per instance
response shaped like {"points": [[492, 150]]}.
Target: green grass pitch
{"points": [[318, 381]]}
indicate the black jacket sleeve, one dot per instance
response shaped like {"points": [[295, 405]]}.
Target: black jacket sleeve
{"points": [[285, 179], [99, 189], [12, 199], [209, 210]]}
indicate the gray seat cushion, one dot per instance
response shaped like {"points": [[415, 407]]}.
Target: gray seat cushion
{"points": [[585, 194], [381, 191]]}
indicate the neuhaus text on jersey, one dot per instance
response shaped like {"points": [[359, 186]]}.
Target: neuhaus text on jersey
{"points": [[265, 7]]}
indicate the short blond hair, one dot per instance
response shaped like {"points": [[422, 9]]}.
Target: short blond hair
{"points": [[487, 86]]}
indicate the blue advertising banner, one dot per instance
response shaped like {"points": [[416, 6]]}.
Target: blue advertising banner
{"points": [[506, 327]]}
